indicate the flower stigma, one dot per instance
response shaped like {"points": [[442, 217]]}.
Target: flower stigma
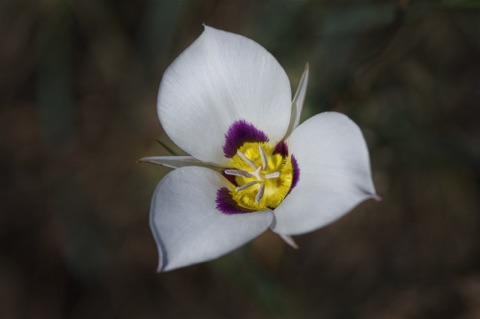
{"points": [[263, 178]]}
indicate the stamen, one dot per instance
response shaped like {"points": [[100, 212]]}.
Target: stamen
{"points": [[237, 172], [259, 196], [260, 178], [263, 156], [245, 186], [247, 160], [272, 175]]}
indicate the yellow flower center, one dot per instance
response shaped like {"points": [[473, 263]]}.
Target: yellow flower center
{"points": [[263, 178]]}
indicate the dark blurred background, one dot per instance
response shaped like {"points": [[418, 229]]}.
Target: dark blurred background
{"points": [[78, 84]]}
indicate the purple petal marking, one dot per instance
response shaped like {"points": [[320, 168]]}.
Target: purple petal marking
{"points": [[296, 173], [227, 205], [239, 133], [281, 149]]}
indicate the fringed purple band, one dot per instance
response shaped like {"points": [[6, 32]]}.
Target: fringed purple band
{"points": [[239, 133], [296, 173], [227, 205], [281, 149]]}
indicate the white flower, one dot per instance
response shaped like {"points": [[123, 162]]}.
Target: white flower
{"points": [[226, 101]]}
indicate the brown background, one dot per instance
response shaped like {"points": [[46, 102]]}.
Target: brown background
{"points": [[78, 83]]}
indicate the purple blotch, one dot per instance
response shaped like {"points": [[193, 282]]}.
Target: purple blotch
{"points": [[295, 173], [227, 205], [281, 149], [239, 133]]}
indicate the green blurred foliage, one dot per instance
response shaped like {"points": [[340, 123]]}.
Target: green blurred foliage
{"points": [[78, 83]]}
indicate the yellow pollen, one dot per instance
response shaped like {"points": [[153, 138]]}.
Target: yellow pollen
{"points": [[263, 178]]}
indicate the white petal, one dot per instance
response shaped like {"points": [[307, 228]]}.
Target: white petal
{"points": [[187, 226], [334, 174], [219, 79], [175, 161], [297, 103]]}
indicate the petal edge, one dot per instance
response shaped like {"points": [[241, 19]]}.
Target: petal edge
{"points": [[335, 174], [186, 225], [219, 79]]}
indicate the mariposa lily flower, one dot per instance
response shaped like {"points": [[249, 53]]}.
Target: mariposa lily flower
{"points": [[227, 102]]}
